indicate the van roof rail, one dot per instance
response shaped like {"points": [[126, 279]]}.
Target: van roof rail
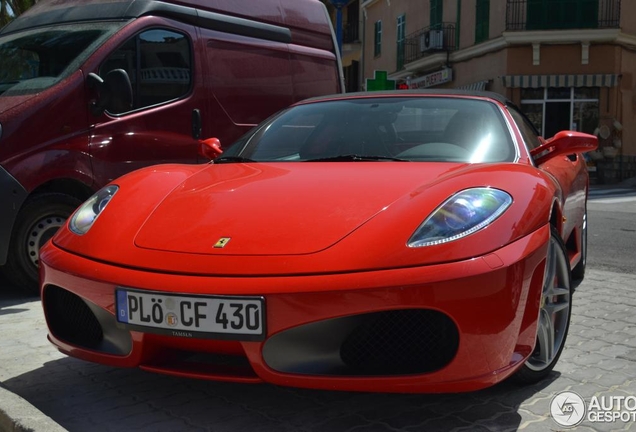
{"points": [[45, 14]]}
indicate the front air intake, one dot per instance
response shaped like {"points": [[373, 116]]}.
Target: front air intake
{"points": [[70, 318], [387, 343], [411, 341]]}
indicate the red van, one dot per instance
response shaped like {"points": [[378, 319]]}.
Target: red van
{"points": [[90, 90]]}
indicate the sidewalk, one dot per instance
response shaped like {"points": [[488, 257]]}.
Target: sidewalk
{"points": [[625, 186], [18, 415]]}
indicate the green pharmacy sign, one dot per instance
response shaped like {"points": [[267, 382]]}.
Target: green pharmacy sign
{"points": [[380, 82]]}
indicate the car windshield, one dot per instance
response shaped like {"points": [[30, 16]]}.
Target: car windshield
{"points": [[36, 59], [408, 128]]}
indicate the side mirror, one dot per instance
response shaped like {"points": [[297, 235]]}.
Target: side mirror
{"points": [[210, 148], [564, 143], [114, 92]]}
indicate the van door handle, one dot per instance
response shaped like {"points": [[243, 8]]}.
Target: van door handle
{"points": [[196, 124]]}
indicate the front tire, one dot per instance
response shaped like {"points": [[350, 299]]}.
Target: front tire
{"points": [[554, 314], [38, 220]]}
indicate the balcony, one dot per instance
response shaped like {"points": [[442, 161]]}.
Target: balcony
{"points": [[426, 41], [351, 32], [562, 14]]}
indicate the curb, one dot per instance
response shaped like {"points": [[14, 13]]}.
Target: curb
{"points": [[18, 415]]}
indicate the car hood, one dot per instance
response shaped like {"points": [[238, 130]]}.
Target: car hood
{"points": [[277, 209], [299, 218]]}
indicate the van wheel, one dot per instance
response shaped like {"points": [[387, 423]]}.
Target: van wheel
{"points": [[554, 314], [38, 219]]}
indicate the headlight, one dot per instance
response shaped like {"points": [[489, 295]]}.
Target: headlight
{"points": [[84, 217], [462, 214]]}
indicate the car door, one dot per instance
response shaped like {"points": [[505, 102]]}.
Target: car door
{"points": [[169, 104]]}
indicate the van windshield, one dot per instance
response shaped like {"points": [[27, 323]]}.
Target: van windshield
{"points": [[34, 60]]}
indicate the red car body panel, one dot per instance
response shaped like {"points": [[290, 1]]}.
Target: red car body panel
{"points": [[322, 242], [285, 230], [497, 325]]}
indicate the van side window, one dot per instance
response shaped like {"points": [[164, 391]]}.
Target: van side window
{"points": [[158, 63]]}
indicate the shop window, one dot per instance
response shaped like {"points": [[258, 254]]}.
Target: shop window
{"points": [[482, 21], [559, 93], [158, 63], [561, 108]]}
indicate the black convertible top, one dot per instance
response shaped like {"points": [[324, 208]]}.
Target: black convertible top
{"points": [[387, 93]]}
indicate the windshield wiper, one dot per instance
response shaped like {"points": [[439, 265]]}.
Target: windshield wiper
{"points": [[356, 158], [230, 159]]}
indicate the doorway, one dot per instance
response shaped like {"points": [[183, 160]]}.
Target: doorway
{"points": [[557, 118]]}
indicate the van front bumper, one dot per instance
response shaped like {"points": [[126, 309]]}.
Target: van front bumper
{"points": [[12, 195]]}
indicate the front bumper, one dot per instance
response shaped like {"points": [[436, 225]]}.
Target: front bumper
{"points": [[12, 195], [480, 317]]}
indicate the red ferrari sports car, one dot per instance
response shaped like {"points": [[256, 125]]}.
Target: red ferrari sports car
{"points": [[386, 241]]}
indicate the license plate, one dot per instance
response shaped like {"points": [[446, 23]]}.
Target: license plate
{"points": [[216, 317]]}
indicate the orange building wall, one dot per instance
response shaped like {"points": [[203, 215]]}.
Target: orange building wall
{"points": [[562, 59], [628, 16]]}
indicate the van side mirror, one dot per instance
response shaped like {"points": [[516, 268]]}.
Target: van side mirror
{"points": [[210, 148], [564, 143], [114, 92]]}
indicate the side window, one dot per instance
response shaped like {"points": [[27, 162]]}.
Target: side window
{"points": [[158, 63], [528, 131], [482, 21], [377, 45], [401, 40], [436, 14]]}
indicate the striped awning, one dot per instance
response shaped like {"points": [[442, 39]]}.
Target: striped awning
{"points": [[476, 86], [538, 81]]}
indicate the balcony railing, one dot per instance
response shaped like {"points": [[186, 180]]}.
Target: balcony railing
{"points": [[351, 32], [426, 41], [562, 14]]}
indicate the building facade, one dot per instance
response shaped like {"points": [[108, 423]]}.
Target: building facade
{"points": [[568, 64]]}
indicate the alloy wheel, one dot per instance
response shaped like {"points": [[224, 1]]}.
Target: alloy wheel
{"points": [[554, 315]]}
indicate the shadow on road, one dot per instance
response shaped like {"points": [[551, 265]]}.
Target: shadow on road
{"points": [[83, 396], [11, 296]]}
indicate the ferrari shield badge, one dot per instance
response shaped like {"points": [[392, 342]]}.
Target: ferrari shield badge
{"points": [[222, 242]]}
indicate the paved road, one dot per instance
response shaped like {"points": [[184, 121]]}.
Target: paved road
{"points": [[612, 220], [599, 360]]}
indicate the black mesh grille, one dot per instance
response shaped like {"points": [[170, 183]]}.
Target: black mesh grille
{"points": [[70, 319], [401, 342]]}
